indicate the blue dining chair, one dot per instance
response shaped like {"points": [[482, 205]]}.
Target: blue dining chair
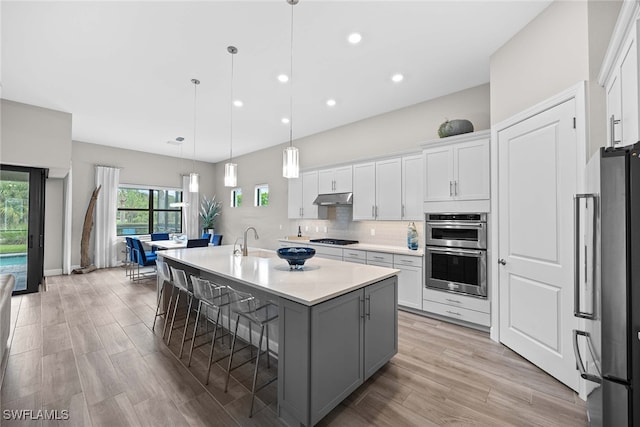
{"points": [[216, 240], [158, 236], [197, 243], [144, 258], [206, 236], [131, 258]]}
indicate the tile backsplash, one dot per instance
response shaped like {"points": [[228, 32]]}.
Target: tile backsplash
{"points": [[339, 224]]}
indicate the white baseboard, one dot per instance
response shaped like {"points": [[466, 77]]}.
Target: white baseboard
{"points": [[54, 272]]}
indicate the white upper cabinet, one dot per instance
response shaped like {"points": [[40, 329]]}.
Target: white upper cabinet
{"points": [[457, 169], [335, 180], [364, 191], [388, 189], [619, 76], [302, 192], [412, 180]]}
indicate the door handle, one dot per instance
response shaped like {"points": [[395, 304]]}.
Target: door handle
{"points": [[30, 240], [576, 240], [612, 124], [502, 261], [583, 372], [455, 188], [450, 188], [369, 307]]}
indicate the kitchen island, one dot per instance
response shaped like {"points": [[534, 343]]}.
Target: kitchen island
{"points": [[338, 321]]}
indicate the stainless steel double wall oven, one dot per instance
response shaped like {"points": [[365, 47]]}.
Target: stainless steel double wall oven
{"points": [[456, 252]]}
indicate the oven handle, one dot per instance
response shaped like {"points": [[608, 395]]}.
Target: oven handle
{"points": [[452, 251], [456, 224]]}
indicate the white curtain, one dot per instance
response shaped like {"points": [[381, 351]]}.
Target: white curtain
{"points": [[190, 213], [106, 244], [67, 225]]}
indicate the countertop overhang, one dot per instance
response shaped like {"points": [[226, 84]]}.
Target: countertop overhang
{"points": [[320, 279]]}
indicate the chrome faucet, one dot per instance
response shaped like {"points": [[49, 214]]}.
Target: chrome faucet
{"points": [[245, 250]]}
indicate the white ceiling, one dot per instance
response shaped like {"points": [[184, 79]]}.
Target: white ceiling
{"points": [[124, 69]]}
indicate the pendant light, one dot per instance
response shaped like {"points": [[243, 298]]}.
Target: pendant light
{"points": [[230, 168], [194, 178], [290, 157]]}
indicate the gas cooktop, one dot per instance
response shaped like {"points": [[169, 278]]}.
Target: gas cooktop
{"points": [[334, 241]]}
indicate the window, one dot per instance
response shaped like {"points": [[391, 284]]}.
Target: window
{"points": [[262, 195], [146, 211], [236, 197]]}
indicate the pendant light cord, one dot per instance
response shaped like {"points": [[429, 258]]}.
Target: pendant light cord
{"points": [[195, 82], [231, 110], [291, 82]]}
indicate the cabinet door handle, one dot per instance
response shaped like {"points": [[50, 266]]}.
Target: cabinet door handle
{"points": [[454, 313], [362, 308], [454, 301], [376, 211], [612, 129], [402, 211], [373, 211], [450, 188], [369, 307], [455, 188]]}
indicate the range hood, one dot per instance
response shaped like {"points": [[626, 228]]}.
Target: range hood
{"points": [[334, 199]]}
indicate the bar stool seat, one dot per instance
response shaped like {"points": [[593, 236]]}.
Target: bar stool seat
{"points": [[212, 298], [245, 306]]}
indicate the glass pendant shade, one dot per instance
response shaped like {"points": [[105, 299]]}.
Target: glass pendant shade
{"points": [[290, 163], [230, 174], [194, 182]]}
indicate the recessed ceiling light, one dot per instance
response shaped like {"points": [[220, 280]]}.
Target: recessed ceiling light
{"points": [[354, 38], [331, 102], [397, 78], [238, 103], [285, 120], [283, 78]]}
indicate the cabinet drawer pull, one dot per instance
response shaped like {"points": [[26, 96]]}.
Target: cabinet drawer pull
{"points": [[378, 257], [454, 313], [453, 300], [407, 261]]}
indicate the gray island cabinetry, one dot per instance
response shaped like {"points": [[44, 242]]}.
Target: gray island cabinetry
{"points": [[338, 321]]}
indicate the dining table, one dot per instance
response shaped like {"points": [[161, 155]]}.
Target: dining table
{"points": [[167, 244]]}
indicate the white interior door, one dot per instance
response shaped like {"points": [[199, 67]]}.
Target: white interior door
{"points": [[537, 180]]}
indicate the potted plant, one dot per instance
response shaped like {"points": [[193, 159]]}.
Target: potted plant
{"points": [[209, 210]]}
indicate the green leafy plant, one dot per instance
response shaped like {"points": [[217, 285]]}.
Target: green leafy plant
{"points": [[209, 210]]}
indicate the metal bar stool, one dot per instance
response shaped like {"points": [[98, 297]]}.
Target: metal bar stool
{"points": [[246, 306], [210, 297], [164, 277], [182, 285]]}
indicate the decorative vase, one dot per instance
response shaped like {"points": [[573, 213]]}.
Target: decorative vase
{"points": [[454, 127], [412, 237]]}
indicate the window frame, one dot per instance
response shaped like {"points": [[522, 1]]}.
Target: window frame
{"points": [[257, 195], [150, 209]]}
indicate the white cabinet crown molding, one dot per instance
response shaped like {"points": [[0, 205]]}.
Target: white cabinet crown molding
{"points": [[465, 137], [629, 14]]}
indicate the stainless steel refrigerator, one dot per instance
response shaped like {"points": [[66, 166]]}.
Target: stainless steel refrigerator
{"points": [[607, 293]]}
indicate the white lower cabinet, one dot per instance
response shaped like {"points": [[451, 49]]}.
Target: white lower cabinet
{"points": [[409, 280], [458, 307], [354, 255]]}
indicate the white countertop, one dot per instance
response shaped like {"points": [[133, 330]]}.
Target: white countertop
{"points": [[320, 280], [400, 250]]}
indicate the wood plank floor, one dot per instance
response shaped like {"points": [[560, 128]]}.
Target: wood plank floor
{"points": [[86, 346]]}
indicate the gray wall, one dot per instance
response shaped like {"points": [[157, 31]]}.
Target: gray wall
{"points": [[35, 137], [562, 46], [53, 226], [394, 132], [136, 168]]}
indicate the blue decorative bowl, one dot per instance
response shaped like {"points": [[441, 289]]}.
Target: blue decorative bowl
{"points": [[296, 256]]}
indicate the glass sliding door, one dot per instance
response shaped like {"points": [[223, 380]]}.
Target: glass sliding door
{"points": [[22, 225]]}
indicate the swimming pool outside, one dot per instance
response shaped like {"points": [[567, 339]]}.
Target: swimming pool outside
{"points": [[15, 264]]}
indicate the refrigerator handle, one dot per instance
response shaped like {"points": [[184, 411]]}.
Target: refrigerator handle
{"points": [[583, 372], [576, 260]]}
